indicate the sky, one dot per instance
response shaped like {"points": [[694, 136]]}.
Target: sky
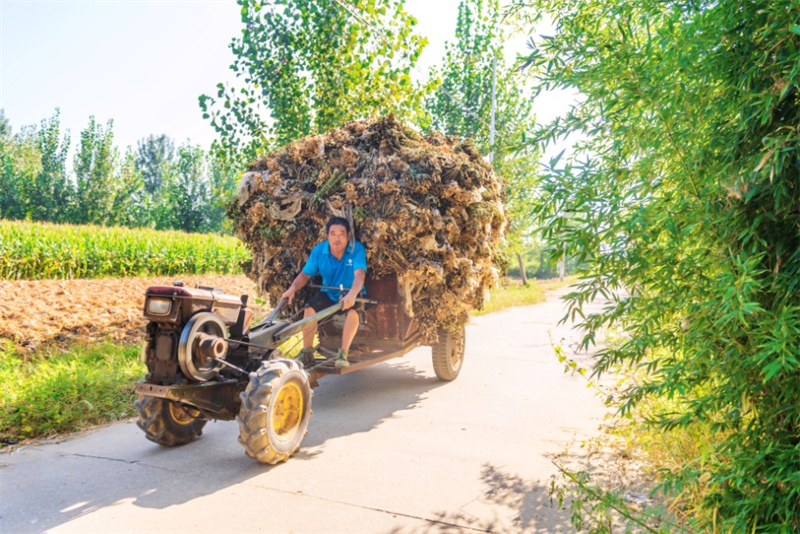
{"points": [[143, 63]]}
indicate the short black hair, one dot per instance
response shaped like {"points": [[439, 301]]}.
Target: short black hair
{"points": [[341, 221]]}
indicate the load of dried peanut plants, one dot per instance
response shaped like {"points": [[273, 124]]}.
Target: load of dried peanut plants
{"points": [[428, 209]]}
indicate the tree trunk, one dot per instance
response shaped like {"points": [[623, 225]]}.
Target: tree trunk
{"points": [[522, 270]]}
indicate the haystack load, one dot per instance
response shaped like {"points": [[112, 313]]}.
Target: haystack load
{"points": [[428, 209]]}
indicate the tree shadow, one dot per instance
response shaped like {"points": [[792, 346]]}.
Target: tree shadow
{"points": [[508, 504]]}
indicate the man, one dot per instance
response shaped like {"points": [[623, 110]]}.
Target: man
{"points": [[340, 265]]}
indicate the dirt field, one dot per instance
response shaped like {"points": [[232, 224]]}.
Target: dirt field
{"points": [[38, 313]]}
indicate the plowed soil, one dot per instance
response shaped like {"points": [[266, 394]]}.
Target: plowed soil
{"points": [[39, 313]]}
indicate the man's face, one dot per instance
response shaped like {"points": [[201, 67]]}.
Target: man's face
{"points": [[337, 237]]}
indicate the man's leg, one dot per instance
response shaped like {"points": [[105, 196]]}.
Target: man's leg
{"points": [[318, 303], [310, 330], [351, 323], [348, 333]]}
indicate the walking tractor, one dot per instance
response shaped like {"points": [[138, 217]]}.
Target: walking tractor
{"points": [[205, 361]]}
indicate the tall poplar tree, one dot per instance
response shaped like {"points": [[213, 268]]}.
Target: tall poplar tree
{"points": [[51, 193], [19, 165], [152, 155], [94, 166], [306, 66], [473, 63], [186, 199]]}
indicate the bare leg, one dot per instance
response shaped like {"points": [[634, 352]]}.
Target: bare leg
{"points": [[350, 328], [310, 330]]}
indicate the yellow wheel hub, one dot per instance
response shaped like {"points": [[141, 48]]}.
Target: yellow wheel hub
{"points": [[287, 411], [183, 415]]}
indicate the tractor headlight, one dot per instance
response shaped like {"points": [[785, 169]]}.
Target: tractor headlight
{"points": [[159, 306]]}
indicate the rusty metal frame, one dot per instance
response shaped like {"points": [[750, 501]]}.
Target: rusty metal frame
{"points": [[220, 399]]}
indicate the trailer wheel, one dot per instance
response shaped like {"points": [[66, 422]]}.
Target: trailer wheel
{"points": [[448, 354], [168, 423], [276, 407]]}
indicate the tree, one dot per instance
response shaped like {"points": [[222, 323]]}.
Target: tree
{"points": [[224, 180], [94, 168], [462, 107], [187, 196], [152, 155], [149, 187], [307, 66], [683, 205], [20, 163], [520, 169], [132, 205], [51, 192]]}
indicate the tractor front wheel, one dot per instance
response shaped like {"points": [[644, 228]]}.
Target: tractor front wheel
{"points": [[276, 407], [448, 354], [168, 423]]}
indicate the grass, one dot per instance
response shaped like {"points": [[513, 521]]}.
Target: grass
{"points": [[512, 293], [667, 450], [550, 284], [65, 390], [60, 391], [35, 251], [654, 451]]}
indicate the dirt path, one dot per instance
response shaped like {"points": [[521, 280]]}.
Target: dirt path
{"points": [[39, 312], [389, 449]]}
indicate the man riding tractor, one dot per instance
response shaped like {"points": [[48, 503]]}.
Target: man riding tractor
{"points": [[341, 265]]}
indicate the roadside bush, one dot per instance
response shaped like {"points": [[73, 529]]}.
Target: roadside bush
{"points": [[683, 207]]}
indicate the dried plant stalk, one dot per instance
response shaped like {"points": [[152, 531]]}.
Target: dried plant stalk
{"points": [[428, 209]]}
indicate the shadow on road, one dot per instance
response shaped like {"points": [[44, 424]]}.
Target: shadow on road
{"points": [[359, 402], [527, 507], [117, 464]]}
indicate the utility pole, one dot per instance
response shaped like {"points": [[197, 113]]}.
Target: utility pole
{"points": [[494, 106], [522, 273]]}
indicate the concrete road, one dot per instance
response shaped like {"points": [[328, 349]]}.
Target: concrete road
{"points": [[390, 449]]}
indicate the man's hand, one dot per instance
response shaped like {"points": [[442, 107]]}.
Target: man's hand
{"points": [[288, 295], [300, 280], [349, 300]]}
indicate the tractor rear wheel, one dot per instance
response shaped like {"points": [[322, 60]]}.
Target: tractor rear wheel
{"points": [[448, 354], [276, 407], [168, 423]]}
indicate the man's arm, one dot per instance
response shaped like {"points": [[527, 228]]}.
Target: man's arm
{"points": [[358, 282], [299, 281]]}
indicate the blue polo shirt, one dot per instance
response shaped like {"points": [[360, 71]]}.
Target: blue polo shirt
{"points": [[336, 272]]}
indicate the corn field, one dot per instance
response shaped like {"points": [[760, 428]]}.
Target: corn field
{"points": [[35, 251]]}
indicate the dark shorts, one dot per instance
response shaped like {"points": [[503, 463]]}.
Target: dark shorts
{"points": [[321, 300]]}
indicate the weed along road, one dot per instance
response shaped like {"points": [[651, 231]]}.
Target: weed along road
{"points": [[389, 449]]}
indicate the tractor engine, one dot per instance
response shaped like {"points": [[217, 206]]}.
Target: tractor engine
{"points": [[187, 334], [202, 365]]}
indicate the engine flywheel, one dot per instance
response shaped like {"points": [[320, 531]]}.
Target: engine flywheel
{"points": [[202, 340]]}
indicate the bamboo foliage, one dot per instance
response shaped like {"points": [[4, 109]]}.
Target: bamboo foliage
{"points": [[682, 205]]}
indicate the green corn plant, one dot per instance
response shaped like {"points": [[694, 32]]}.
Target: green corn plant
{"points": [[34, 251]]}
